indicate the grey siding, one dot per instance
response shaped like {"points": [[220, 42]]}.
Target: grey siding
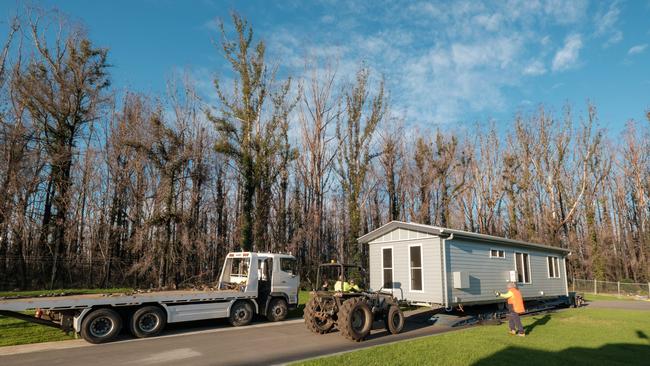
{"points": [[400, 240], [489, 274]]}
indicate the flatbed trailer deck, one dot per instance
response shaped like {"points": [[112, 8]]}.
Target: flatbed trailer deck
{"points": [[70, 302]]}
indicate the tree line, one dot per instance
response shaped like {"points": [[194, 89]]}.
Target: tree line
{"points": [[100, 188]]}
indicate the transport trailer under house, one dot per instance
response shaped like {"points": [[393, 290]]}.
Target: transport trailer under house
{"points": [[433, 266], [250, 283]]}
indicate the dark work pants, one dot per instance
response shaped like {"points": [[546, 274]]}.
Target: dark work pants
{"points": [[514, 322]]}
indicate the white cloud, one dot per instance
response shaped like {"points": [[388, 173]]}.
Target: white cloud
{"points": [[635, 50], [566, 12], [442, 61], [535, 68], [606, 25], [567, 56]]}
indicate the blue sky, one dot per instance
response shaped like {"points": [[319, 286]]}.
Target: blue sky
{"points": [[445, 64]]}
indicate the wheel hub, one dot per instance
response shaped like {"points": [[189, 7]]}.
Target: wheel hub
{"points": [[101, 326], [148, 322]]}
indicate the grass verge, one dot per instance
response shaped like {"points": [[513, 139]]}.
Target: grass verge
{"points": [[605, 297], [572, 337]]}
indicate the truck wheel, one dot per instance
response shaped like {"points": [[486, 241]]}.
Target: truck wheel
{"points": [[316, 324], [101, 325], [355, 319], [147, 321], [394, 320], [277, 310], [241, 313]]}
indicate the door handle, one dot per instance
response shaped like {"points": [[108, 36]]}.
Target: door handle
{"points": [[284, 281]]}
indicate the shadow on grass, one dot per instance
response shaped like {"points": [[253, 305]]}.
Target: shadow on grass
{"points": [[539, 321], [610, 354]]}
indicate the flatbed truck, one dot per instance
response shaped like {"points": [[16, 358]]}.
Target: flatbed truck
{"points": [[250, 283]]}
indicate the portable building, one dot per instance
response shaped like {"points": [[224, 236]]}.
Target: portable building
{"points": [[430, 265]]}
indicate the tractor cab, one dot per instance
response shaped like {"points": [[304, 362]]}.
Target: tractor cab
{"points": [[332, 277]]}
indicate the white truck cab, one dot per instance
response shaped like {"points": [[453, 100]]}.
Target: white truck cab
{"points": [[250, 283], [269, 277]]}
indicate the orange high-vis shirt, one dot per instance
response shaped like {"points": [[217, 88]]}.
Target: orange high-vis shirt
{"points": [[516, 300]]}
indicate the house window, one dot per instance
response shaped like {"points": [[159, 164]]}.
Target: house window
{"points": [[522, 265], [553, 267], [387, 264], [497, 253], [415, 254]]}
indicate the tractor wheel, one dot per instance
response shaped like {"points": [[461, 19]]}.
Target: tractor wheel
{"points": [[355, 319], [394, 320], [316, 324]]}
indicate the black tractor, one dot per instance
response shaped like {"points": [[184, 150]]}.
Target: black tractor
{"points": [[337, 301]]}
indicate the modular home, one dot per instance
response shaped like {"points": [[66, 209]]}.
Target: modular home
{"points": [[435, 266]]}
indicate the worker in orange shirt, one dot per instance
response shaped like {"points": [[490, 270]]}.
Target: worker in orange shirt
{"points": [[515, 307]]}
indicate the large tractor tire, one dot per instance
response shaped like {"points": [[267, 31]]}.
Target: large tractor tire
{"points": [[355, 319], [394, 320], [316, 324]]}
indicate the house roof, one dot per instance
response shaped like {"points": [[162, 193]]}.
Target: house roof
{"points": [[445, 232]]}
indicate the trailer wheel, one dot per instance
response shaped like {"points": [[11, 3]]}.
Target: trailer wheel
{"points": [[277, 310], [101, 325], [147, 321], [241, 313], [355, 319], [319, 325], [394, 320]]}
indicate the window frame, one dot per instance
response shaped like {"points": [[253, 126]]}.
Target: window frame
{"points": [[294, 266], [555, 263], [421, 268], [392, 268], [498, 250], [530, 272]]}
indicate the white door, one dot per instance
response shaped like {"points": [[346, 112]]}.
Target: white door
{"points": [[285, 278]]}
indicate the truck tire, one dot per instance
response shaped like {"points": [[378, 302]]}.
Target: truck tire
{"points": [[355, 319], [241, 313], [314, 324], [101, 325], [278, 310], [394, 320], [147, 321]]}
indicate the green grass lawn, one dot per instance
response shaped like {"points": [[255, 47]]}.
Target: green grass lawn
{"points": [[571, 337], [14, 331], [605, 297]]}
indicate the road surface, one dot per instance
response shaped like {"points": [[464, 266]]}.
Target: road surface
{"points": [[264, 343], [221, 344]]}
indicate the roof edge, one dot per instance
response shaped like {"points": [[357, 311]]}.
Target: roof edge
{"points": [[444, 232], [386, 228]]}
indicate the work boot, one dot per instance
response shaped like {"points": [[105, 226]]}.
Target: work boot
{"points": [[512, 332], [521, 334]]}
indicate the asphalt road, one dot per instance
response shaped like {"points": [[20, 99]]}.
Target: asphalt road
{"points": [[216, 343], [260, 344]]}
